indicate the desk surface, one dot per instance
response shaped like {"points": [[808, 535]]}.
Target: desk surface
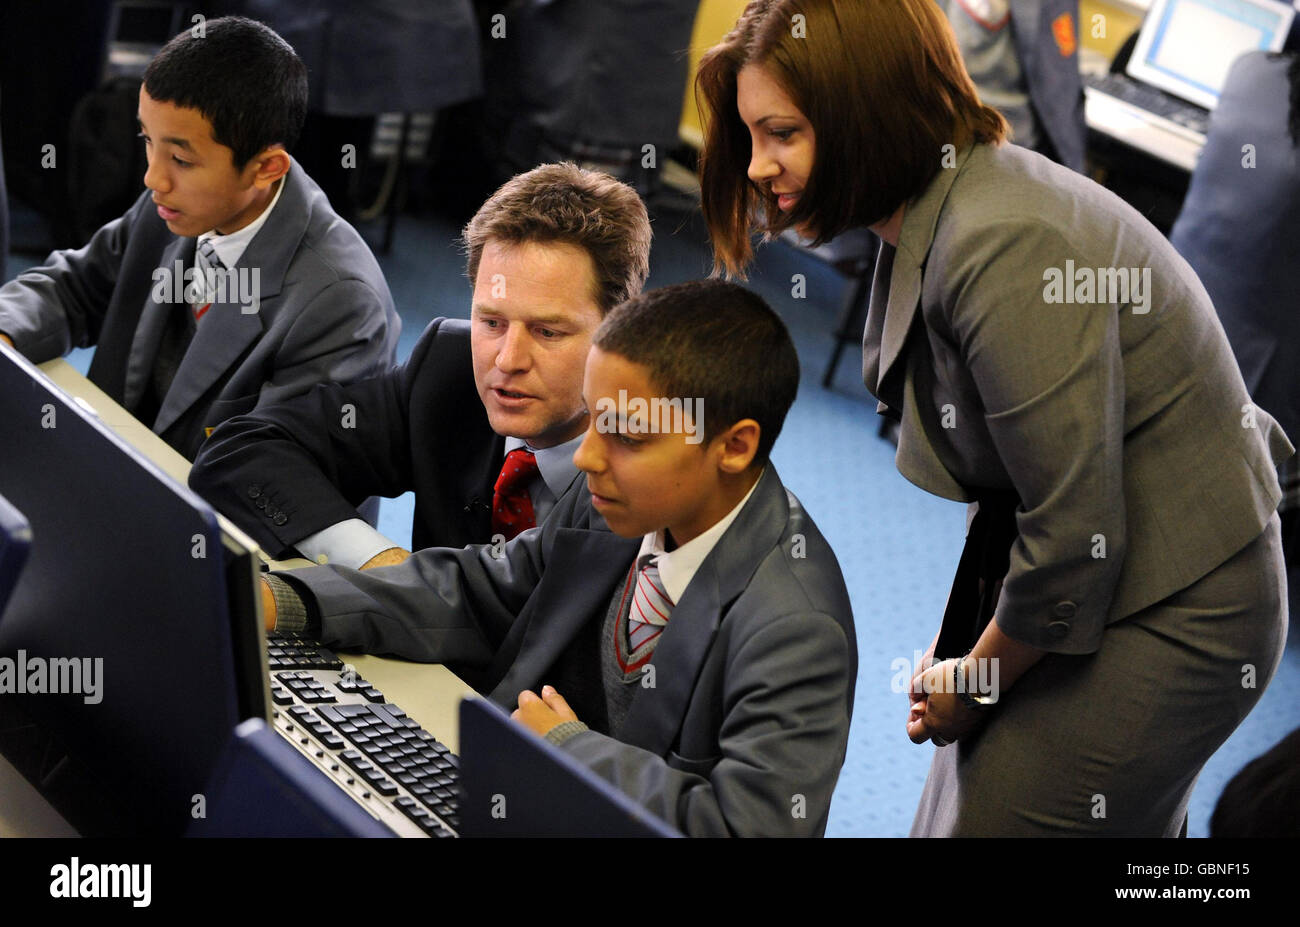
{"points": [[429, 693]]}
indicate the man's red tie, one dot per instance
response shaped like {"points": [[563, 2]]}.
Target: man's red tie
{"points": [[512, 507]]}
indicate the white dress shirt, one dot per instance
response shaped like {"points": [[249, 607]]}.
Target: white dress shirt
{"points": [[678, 567], [353, 543]]}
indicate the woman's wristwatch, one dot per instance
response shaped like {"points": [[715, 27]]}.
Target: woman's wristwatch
{"points": [[976, 701]]}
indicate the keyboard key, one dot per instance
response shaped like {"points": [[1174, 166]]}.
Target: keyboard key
{"points": [[385, 787]]}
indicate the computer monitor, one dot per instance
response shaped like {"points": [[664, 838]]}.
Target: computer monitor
{"points": [[263, 787], [516, 784], [136, 607], [1187, 46], [15, 543]]}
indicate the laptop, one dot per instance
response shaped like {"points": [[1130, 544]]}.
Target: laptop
{"points": [[1162, 101]]}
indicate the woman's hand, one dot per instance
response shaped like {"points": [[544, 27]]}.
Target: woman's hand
{"points": [[914, 691], [938, 714]]}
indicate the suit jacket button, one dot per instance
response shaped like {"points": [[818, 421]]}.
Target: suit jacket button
{"points": [[280, 518], [254, 491], [260, 502], [1065, 609], [1058, 629]]}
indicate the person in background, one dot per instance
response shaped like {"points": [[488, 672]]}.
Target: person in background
{"points": [[1023, 56], [1263, 799], [366, 59], [1124, 560], [1237, 229]]}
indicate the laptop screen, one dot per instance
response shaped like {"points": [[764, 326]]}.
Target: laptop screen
{"points": [[1187, 46]]}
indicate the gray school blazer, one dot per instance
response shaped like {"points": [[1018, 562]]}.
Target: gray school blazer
{"points": [[1036, 333], [323, 312]]}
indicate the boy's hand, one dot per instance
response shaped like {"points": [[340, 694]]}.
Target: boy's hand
{"points": [[541, 714]]}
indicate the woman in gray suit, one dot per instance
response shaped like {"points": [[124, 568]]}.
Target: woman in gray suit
{"points": [[1121, 602]]}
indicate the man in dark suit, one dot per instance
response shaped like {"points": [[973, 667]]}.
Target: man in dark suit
{"points": [[702, 656], [549, 254], [230, 283]]}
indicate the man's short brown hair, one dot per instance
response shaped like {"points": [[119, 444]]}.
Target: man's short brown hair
{"points": [[566, 204], [882, 83]]}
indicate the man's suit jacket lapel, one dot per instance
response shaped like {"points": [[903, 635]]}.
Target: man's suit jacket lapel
{"points": [[657, 712], [227, 329]]}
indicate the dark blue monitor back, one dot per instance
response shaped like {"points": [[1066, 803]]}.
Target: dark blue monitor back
{"points": [[129, 567], [515, 784], [263, 787], [15, 542]]}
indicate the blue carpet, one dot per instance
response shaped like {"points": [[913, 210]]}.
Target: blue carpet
{"points": [[897, 545]]}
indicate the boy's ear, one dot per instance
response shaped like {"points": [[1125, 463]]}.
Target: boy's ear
{"points": [[739, 444], [268, 166]]}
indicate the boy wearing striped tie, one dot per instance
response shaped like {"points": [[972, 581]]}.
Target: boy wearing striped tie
{"points": [[684, 621], [230, 283]]}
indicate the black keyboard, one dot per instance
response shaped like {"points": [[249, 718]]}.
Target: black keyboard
{"points": [[1151, 99], [284, 651], [370, 747]]}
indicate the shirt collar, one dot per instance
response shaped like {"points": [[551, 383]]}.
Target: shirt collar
{"points": [[230, 248], [554, 463], [678, 567]]}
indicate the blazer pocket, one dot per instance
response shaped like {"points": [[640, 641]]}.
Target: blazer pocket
{"points": [[698, 767]]}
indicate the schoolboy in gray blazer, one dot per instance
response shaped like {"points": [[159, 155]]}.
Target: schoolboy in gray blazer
{"points": [[740, 723], [305, 301]]}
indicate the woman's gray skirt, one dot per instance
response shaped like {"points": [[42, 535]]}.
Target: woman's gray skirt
{"points": [[1112, 742]]}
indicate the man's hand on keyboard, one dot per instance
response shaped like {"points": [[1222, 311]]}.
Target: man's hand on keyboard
{"points": [[542, 714], [268, 605], [390, 557]]}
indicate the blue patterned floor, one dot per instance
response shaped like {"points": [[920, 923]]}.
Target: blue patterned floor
{"points": [[897, 545]]}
